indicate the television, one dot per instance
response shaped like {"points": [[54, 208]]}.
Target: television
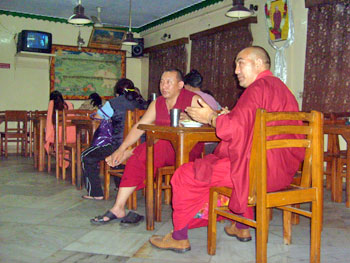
{"points": [[34, 41]]}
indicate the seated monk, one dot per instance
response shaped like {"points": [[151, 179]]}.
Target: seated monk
{"points": [[173, 96], [229, 164]]}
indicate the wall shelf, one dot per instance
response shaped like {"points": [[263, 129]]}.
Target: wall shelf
{"points": [[34, 55]]}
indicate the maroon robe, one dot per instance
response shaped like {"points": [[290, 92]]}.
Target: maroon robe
{"points": [[229, 164], [164, 154]]}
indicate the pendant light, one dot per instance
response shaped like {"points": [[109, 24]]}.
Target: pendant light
{"points": [[129, 39], [239, 10], [79, 18]]}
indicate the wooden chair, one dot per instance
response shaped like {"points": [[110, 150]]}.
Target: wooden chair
{"points": [[131, 118], [54, 148], [309, 190], [342, 162], [16, 128]]}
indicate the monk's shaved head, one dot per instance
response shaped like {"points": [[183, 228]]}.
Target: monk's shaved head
{"points": [[257, 52], [250, 62]]}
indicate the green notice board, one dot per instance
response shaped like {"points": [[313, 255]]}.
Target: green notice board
{"points": [[78, 73]]}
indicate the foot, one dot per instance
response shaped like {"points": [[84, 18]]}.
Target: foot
{"points": [[132, 219], [168, 243], [89, 197], [242, 235], [105, 219]]}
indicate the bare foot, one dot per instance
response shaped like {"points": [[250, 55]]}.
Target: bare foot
{"points": [[89, 197]]}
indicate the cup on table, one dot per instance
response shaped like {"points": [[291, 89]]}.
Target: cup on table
{"points": [[175, 117]]}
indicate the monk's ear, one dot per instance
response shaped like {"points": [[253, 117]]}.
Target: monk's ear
{"points": [[259, 63], [181, 84]]}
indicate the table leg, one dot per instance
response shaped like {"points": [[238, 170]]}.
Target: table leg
{"points": [[36, 145], [41, 146], [78, 160], [149, 186]]}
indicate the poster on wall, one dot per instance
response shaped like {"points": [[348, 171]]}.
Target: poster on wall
{"points": [[276, 13], [78, 73]]}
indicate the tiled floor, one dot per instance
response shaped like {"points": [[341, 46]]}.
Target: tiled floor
{"points": [[45, 220]]}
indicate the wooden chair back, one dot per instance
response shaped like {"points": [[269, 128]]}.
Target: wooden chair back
{"points": [[265, 138], [131, 118], [16, 130]]}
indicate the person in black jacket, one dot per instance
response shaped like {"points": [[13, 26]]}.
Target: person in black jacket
{"points": [[126, 99]]}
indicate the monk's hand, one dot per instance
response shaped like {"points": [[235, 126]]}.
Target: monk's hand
{"points": [[184, 117], [201, 114], [115, 158], [224, 110]]}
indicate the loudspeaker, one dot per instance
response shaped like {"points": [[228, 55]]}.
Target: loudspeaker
{"points": [[137, 50]]}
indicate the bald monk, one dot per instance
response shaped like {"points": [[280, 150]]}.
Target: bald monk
{"points": [[228, 165], [173, 96]]}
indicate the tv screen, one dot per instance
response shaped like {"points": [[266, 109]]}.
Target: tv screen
{"points": [[34, 41]]}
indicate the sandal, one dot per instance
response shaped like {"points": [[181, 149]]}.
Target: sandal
{"points": [[132, 219], [111, 217], [89, 197]]}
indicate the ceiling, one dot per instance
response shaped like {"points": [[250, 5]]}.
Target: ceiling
{"points": [[113, 12]]}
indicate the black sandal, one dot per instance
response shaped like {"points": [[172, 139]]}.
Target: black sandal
{"points": [[132, 219], [111, 217]]}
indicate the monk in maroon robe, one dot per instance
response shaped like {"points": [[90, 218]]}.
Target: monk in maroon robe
{"points": [[229, 164], [173, 96]]}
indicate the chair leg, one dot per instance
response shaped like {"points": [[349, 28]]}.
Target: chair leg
{"points": [[73, 164], [287, 227], [167, 192], [213, 200], [315, 248], [261, 235], [158, 197], [338, 182], [106, 185]]}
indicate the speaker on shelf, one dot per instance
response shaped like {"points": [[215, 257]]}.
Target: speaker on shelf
{"points": [[137, 50]]}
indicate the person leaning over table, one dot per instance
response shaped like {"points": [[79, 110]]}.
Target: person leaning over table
{"points": [[126, 98], [193, 82], [173, 96], [57, 103], [229, 164], [94, 102]]}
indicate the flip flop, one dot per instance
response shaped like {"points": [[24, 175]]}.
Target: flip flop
{"points": [[99, 219], [89, 197], [132, 219]]}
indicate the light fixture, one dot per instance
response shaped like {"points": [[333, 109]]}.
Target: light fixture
{"points": [[129, 39], [79, 18], [239, 10]]}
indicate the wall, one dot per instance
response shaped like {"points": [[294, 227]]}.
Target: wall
{"points": [[214, 16], [25, 86]]}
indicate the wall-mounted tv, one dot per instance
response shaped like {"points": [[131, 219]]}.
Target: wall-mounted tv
{"points": [[34, 41]]}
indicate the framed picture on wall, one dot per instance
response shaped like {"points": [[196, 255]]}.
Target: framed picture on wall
{"points": [[106, 38], [77, 73]]}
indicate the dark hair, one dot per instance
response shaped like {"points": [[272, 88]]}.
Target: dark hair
{"points": [[58, 104], [126, 87], [194, 79], [96, 100], [179, 74]]}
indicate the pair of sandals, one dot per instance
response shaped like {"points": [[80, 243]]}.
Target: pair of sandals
{"points": [[131, 219]]}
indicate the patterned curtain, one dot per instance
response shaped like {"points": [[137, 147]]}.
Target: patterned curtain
{"points": [[327, 71], [160, 60], [213, 56]]}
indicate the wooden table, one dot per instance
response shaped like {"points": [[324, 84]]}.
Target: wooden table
{"points": [[344, 131], [83, 125], [183, 140], [39, 142]]}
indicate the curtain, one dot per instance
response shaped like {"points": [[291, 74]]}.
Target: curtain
{"points": [[213, 55], [327, 71], [166, 58]]}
